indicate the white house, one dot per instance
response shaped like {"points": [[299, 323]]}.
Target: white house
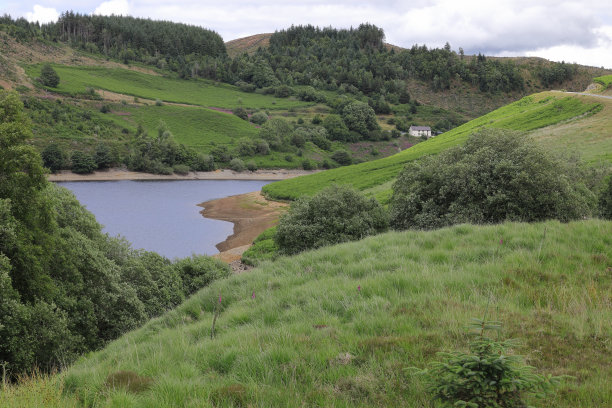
{"points": [[419, 131]]}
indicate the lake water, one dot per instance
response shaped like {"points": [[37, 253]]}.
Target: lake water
{"points": [[161, 216]]}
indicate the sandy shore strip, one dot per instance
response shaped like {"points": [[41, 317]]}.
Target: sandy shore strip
{"points": [[121, 174], [251, 214]]}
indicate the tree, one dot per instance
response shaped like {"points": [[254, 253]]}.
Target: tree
{"points": [[259, 118], [22, 174], [342, 157], [241, 113], [82, 163], [336, 129], [103, 156], [360, 117], [275, 132], [237, 165], [496, 176], [48, 76], [488, 376], [54, 157], [336, 214]]}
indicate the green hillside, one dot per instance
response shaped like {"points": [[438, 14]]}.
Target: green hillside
{"points": [[530, 113], [76, 79], [309, 337], [605, 80], [193, 126]]}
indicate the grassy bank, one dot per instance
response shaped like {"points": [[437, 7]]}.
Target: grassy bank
{"points": [[530, 113], [605, 80], [309, 337], [76, 79]]}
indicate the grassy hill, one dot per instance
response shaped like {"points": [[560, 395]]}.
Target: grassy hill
{"points": [[528, 114], [298, 332], [76, 80]]}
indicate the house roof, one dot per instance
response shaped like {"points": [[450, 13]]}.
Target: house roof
{"points": [[420, 128]]}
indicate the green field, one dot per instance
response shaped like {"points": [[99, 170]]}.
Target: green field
{"points": [[310, 338], [193, 126], [605, 80], [76, 80], [529, 113]]}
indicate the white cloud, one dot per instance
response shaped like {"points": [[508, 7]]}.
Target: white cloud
{"points": [[116, 7], [42, 14], [565, 30], [600, 55]]}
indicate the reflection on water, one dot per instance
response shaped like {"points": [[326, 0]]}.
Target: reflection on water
{"points": [[161, 216]]}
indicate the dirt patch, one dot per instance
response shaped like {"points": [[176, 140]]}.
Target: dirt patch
{"points": [[251, 214]]}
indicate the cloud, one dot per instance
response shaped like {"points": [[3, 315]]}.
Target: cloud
{"points": [[42, 14], [116, 7], [599, 56]]}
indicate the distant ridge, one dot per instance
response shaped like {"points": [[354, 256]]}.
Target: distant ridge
{"points": [[248, 44], [251, 43]]}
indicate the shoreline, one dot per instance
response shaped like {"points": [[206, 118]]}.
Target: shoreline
{"points": [[251, 215], [121, 174]]}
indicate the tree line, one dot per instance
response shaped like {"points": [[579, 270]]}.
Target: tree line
{"points": [[354, 61]]}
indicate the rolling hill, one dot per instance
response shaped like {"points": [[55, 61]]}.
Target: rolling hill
{"points": [[340, 326]]}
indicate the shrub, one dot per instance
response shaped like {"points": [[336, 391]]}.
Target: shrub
{"points": [[203, 162], [263, 248], [359, 117], [336, 214], [316, 120], [181, 169], [48, 76], [605, 200], [496, 176], [262, 147], [321, 141], [105, 108], [54, 157], [336, 129], [237, 165], [283, 91], [251, 165], [198, 271], [82, 163], [259, 118], [103, 156], [245, 147], [307, 164], [485, 377], [241, 113], [158, 102], [342, 157]]}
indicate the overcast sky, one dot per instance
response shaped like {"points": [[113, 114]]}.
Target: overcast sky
{"points": [[574, 30]]}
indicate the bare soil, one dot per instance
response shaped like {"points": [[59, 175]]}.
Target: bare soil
{"points": [[251, 214]]}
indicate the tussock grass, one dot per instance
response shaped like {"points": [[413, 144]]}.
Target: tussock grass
{"points": [[76, 79], [311, 338], [530, 113]]}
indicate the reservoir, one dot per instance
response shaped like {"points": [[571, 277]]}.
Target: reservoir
{"points": [[161, 216]]}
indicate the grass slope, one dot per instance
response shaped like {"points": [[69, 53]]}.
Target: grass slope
{"points": [[310, 338], [193, 126], [76, 79], [529, 113], [605, 80], [589, 137]]}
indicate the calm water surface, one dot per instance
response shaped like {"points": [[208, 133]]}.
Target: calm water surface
{"points": [[161, 216]]}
